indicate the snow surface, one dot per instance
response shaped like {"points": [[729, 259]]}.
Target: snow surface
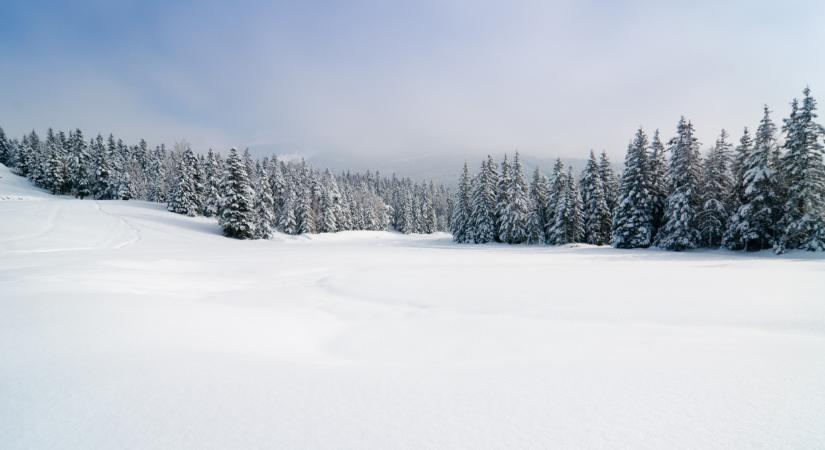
{"points": [[125, 326]]}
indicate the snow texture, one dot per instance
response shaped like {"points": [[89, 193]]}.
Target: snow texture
{"points": [[126, 326]]}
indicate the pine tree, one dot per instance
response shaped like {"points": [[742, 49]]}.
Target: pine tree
{"points": [[712, 220], [482, 205], [264, 217], [81, 166], [184, 198], [304, 211], [121, 159], [278, 183], [330, 204], [55, 167], [105, 182], [734, 237], [5, 149], [286, 218], [610, 182], [428, 218], [555, 193], [596, 215], [516, 212], [25, 158], [683, 203], [212, 182], [460, 221], [502, 200], [753, 226], [237, 210], [567, 228], [632, 220], [539, 196], [157, 175], [658, 184], [803, 220]]}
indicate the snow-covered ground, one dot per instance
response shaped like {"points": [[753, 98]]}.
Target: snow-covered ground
{"points": [[125, 326]]}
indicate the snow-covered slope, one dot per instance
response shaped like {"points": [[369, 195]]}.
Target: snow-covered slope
{"points": [[124, 326]]}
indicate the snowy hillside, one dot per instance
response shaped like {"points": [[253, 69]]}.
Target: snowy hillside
{"points": [[125, 326]]}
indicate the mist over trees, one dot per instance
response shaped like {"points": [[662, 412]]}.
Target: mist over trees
{"points": [[760, 194], [767, 191]]}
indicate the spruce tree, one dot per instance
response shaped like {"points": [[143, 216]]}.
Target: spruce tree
{"points": [[184, 198], [5, 149], [460, 220], [428, 218], [516, 212], [237, 210], [555, 193], [712, 220], [609, 181], [658, 184], [211, 186], [502, 200], [286, 216], [55, 166], [539, 196], [596, 215], [753, 226], [264, 217], [680, 230], [567, 228], [81, 166], [330, 204], [304, 210], [803, 220], [105, 182], [482, 206], [632, 220]]}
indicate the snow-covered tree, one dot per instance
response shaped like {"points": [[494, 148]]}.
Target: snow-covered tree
{"points": [[483, 204], [184, 198], [330, 204], [658, 183], [461, 226], [237, 209], [567, 227], [680, 231], [540, 197], [80, 165], [753, 225], [803, 219], [5, 148], [609, 181], [286, 216], [632, 220], [596, 215], [516, 212], [264, 217], [502, 200], [717, 182], [105, 178], [554, 195], [304, 210], [211, 185]]}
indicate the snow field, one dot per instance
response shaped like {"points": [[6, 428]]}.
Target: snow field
{"points": [[125, 326]]}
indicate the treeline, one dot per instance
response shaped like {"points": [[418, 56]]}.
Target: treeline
{"points": [[761, 194], [250, 197]]}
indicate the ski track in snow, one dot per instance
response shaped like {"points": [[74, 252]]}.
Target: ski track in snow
{"points": [[125, 326]]}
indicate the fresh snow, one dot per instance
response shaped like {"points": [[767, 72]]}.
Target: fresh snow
{"points": [[125, 326]]}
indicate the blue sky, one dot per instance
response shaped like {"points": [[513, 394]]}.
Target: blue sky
{"points": [[404, 78]]}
